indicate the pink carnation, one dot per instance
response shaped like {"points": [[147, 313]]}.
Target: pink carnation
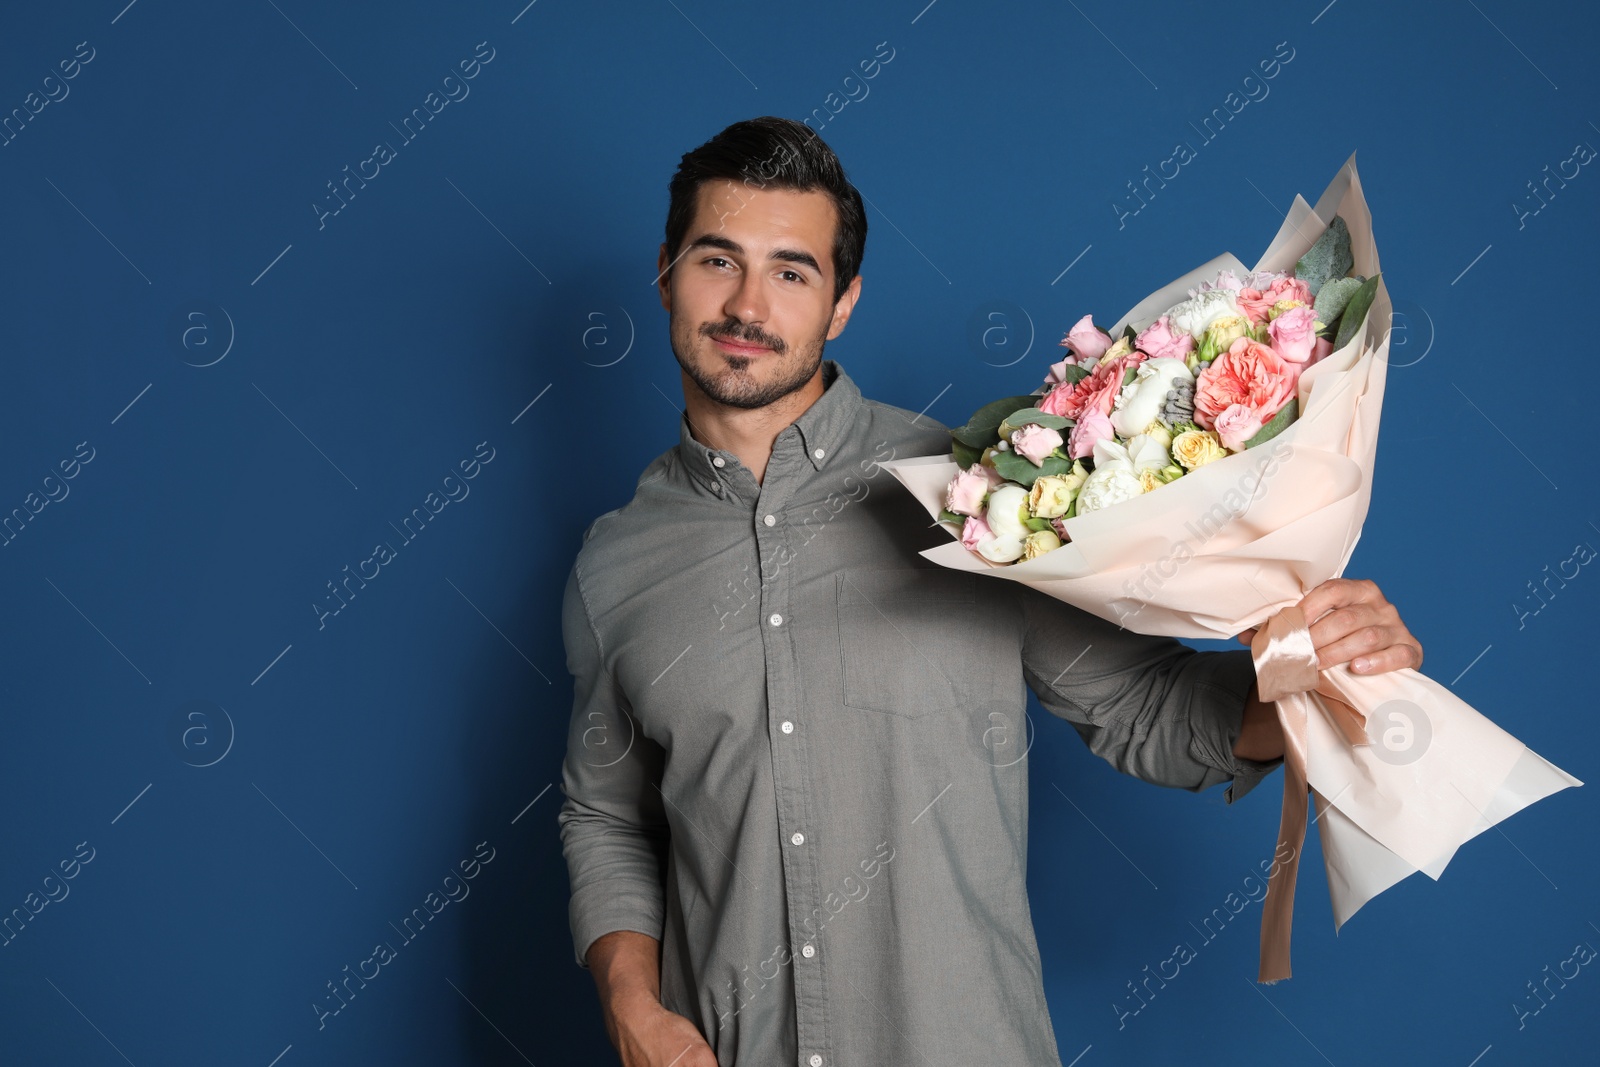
{"points": [[974, 531], [1034, 442], [1248, 374], [1255, 303], [964, 495], [1097, 391], [1092, 428], [1160, 340]]}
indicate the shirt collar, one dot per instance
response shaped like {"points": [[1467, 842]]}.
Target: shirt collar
{"points": [[822, 428]]}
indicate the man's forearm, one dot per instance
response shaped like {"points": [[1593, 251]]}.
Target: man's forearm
{"points": [[627, 974], [1260, 734]]}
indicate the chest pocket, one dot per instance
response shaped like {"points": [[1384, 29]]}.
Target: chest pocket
{"points": [[901, 646]]}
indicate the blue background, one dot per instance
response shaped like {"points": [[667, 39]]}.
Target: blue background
{"points": [[161, 216]]}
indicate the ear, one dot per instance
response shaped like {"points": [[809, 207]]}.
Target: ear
{"points": [[845, 305], [663, 277]]}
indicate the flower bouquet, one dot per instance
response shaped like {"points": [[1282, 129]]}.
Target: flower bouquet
{"points": [[1194, 472]]}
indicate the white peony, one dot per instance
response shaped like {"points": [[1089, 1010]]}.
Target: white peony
{"points": [[1141, 400], [1107, 486], [1140, 453], [1005, 514], [1001, 549], [1201, 310]]}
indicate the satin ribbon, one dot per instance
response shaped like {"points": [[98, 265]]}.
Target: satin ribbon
{"points": [[1286, 673]]}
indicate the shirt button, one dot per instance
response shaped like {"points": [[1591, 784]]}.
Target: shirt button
{"points": [[798, 839], [776, 619], [807, 951], [787, 727], [819, 453], [718, 461], [815, 1060], [770, 520]]}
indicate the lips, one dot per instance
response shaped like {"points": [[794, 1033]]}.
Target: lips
{"points": [[739, 348]]}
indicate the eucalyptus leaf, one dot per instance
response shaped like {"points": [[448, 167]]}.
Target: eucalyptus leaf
{"points": [[964, 455], [983, 429], [1021, 470], [1334, 297], [946, 515], [1355, 312], [1329, 258], [1276, 425]]}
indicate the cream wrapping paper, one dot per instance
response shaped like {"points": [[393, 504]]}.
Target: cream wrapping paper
{"points": [[1231, 545]]}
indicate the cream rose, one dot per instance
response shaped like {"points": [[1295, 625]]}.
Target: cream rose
{"points": [[1038, 543], [1052, 494], [1195, 448]]}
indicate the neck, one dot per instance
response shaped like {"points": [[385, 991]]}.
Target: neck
{"points": [[746, 432]]}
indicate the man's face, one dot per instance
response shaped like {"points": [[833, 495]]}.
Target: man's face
{"points": [[750, 296]]}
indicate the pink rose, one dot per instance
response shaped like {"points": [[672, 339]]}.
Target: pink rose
{"points": [[966, 491], [1248, 374], [1034, 442], [1092, 428], [1087, 341], [1322, 349], [974, 531], [1294, 334], [1160, 340], [1256, 303], [1235, 425]]}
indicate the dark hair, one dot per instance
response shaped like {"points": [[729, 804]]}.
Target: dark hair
{"points": [[777, 153]]}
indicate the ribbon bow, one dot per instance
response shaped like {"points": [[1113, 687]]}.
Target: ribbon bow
{"points": [[1286, 674]]}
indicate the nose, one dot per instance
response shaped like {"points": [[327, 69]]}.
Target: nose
{"points": [[748, 300]]}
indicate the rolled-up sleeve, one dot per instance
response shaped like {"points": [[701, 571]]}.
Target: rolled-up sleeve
{"points": [[613, 831], [1151, 707]]}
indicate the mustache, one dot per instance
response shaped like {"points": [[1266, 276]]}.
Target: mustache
{"points": [[733, 330]]}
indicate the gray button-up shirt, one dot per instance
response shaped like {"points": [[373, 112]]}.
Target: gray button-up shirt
{"points": [[797, 749]]}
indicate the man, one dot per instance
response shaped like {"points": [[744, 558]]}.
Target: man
{"points": [[789, 835]]}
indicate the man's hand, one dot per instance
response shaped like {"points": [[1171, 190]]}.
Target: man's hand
{"points": [[1350, 622], [627, 975]]}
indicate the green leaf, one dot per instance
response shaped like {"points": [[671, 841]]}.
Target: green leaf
{"points": [[1073, 373], [1355, 312], [946, 515], [1036, 524], [964, 455], [1276, 425], [1130, 334], [982, 430], [1021, 470], [1329, 258]]}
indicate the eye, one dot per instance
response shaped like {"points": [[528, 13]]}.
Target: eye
{"points": [[792, 276], [716, 261]]}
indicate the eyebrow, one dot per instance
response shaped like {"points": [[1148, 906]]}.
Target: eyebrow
{"points": [[786, 255]]}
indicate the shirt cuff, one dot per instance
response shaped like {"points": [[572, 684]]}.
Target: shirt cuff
{"points": [[1222, 695], [607, 909]]}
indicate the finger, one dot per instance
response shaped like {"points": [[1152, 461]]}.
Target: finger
{"points": [[1247, 636], [1370, 645], [1336, 593], [1343, 622], [1392, 658]]}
